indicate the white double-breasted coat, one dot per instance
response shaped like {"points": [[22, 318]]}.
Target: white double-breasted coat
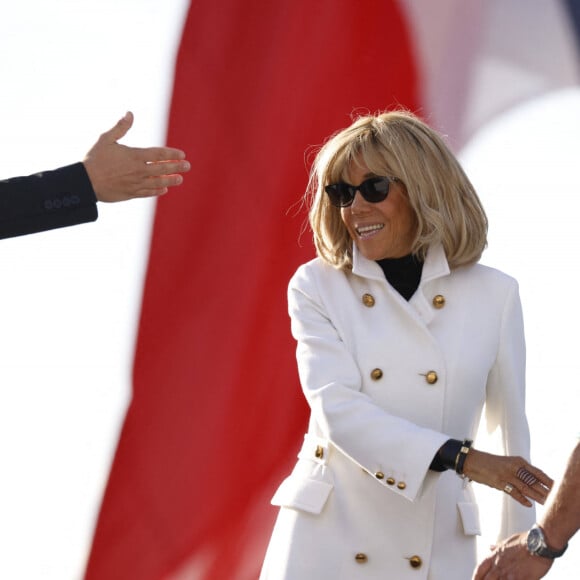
{"points": [[388, 382]]}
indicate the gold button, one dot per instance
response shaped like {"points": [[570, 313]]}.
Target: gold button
{"points": [[415, 561], [361, 558], [390, 481], [368, 300], [319, 452], [376, 374], [401, 485], [439, 301], [431, 377], [379, 475]]}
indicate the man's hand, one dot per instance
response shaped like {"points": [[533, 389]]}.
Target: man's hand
{"points": [[511, 560], [118, 172]]}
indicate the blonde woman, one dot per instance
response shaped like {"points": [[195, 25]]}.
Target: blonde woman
{"points": [[402, 337]]}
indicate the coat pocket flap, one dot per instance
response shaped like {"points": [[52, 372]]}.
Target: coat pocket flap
{"points": [[470, 518], [308, 495]]}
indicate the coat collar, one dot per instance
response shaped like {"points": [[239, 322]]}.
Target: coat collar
{"points": [[419, 306], [435, 265]]}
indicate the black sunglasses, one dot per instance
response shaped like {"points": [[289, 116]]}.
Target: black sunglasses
{"points": [[373, 190]]}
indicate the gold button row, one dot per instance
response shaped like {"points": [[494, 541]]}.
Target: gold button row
{"points": [[431, 377], [390, 481], [438, 301], [414, 561]]}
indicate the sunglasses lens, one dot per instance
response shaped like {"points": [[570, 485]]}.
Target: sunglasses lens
{"points": [[340, 194], [373, 190]]}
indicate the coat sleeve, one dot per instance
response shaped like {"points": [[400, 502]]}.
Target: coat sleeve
{"points": [[505, 406], [47, 200], [384, 445]]}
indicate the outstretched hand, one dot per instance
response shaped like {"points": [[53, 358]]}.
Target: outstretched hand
{"points": [[119, 173], [511, 474]]}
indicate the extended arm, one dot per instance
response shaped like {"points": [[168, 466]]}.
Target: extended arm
{"points": [[68, 196], [496, 471], [562, 517]]}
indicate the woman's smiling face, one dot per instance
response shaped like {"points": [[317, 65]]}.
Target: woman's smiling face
{"points": [[380, 230]]}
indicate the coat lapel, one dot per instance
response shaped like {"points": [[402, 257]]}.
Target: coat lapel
{"points": [[436, 266]]}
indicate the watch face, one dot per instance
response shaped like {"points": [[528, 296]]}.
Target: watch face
{"points": [[535, 542], [537, 545]]}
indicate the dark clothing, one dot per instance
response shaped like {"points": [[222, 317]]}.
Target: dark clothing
{"points": [[45, 201], [403, 274]]}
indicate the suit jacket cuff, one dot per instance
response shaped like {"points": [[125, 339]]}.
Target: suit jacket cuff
{"points": [[44, 201]]}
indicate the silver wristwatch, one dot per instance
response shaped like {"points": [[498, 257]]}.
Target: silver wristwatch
{"points": [[537, 545]]}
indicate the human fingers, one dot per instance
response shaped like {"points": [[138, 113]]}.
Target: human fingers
{"points": [[157, 168], [524, 479], [483, 568], [537, 492], [524, 494], [150, 192], [152, 154], [513, 491], [154, 186], [120, 129], [531, 482], [531, 475]]}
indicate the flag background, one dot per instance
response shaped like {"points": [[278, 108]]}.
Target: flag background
{"points": [[71, 299], [256, 84]]}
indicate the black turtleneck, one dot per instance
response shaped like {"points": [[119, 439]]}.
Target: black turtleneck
{"points": [[404, 275]]}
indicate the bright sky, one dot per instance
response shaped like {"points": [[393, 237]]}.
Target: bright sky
{"points": [[69, 299]]}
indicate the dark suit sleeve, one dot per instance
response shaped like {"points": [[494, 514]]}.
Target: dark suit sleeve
{"points": [[47, 200]]}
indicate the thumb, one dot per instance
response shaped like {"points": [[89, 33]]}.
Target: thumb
{"points": [[120, 129]]}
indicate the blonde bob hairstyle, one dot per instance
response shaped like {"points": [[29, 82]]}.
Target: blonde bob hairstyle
{"points": [[398, 144]]}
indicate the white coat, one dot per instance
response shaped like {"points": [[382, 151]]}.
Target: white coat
{"points": [[388, 382]]}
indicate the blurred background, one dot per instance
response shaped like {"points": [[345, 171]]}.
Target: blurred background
{"points": [[70, 300]]}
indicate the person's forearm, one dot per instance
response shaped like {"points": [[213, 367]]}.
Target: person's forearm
{"points": [[44, 201], [561, 519]]}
